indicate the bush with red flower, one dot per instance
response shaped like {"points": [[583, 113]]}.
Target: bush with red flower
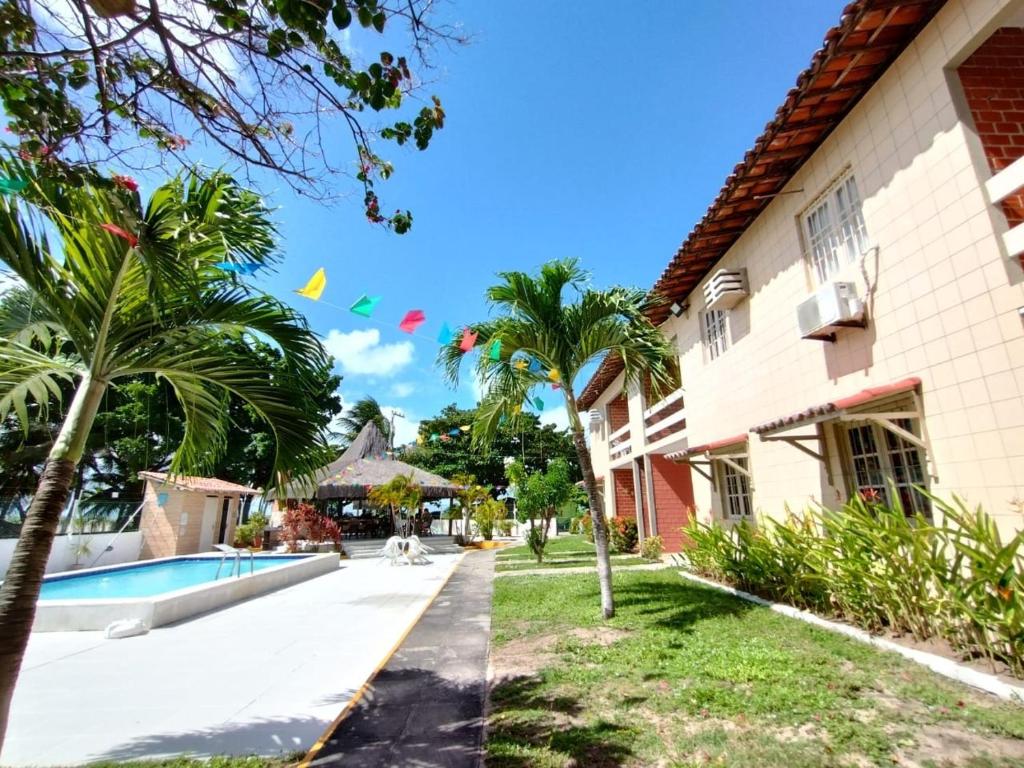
{"points": [[304, 523]]}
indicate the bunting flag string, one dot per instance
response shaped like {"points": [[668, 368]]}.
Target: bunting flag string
{"points": [[413, 319], [315, 287], [241, 269], [365, 305], [12, 186], [468, 340], [113, 229]]}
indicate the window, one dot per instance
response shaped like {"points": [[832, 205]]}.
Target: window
{"points": [[715, 339], [734, 487], [881, 458], [836, 234]]}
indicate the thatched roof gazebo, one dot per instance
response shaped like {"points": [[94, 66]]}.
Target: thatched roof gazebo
{"points": [[364, 465]]}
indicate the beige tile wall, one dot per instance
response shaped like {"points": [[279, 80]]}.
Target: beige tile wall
{"points": [[945, 305]]}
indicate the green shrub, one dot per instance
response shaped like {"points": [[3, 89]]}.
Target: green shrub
{"points": [[651, 548], [505, 526], [488, 514], [623, 533], [575, 525], [587, 528], [879, 569]]}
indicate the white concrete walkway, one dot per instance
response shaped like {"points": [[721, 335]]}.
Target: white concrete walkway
{"points": [[266, 676]]}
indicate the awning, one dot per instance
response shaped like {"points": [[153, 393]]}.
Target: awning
{"points": [[830, 410], [700, 450]]}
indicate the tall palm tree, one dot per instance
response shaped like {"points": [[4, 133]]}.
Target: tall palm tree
{"points": [[122, 291], [560, 322], [399, 494], [363, 411]]}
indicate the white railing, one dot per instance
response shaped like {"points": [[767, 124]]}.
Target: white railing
{"points": [[672, 411], [663, 404], [1009, 181], [620, 450], [620, 432], [618, 443]]}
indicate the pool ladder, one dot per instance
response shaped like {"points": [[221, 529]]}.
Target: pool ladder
{"points": [[236, 553]]}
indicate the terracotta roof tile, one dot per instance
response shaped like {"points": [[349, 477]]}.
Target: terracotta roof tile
{"points": [[198, 484]]}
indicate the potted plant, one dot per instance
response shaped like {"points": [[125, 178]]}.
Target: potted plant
{"points": [[259, 523]]}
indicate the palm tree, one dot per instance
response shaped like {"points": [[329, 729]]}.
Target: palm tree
{"points": [[363, 411], [557, 320], [128, 292], [400, 493]]}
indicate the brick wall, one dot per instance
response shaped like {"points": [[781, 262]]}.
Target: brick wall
{"points": [[673, 499], [618, 413], [993, 81], [625, 497]]}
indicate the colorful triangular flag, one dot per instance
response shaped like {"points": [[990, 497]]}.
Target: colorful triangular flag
{"points": [[433, 437], [116, 230], [468, 340], [454, 432], [555, 376], [465, 427], [227, 266], [520, 364], [517, 408], [11, 186], [534, 365], [444, 338], [495, 353], [413, 319], [365, 305], [555, 386], [538, 404], [445, 438], [315, 287]]}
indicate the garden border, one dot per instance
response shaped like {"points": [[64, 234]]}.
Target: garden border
{"points": [[938, 664]]}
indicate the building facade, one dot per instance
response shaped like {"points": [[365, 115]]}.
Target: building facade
{"points": [[849, 315]]}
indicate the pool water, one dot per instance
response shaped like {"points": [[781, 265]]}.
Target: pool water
{"points": [[151, 579]]}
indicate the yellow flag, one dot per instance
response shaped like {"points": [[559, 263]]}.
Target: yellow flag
{"points": [[517, 408], [465, 428], [315, 286], [419, 439], [554, 375]]}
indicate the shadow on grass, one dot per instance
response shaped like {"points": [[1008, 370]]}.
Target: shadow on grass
{"points": [[529, 727], [677, 606]]}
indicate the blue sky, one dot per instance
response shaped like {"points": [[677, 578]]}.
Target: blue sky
{"points": [[601, 133]]}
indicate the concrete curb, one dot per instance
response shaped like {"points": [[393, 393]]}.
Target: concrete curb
{"points": [[938, 664], [577, 571]]}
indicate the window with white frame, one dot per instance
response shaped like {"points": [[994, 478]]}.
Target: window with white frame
{"points": [[734, 487], [882, 460], [835, 229], [715, 332]]}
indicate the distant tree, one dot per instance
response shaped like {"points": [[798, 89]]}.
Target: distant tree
{"points": [[564, 325], [470, 495], [359, 414], [539, 496], [527, 440], [87, 82]]}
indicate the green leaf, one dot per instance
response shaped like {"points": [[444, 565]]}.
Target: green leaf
{"points": [[342, 15]]}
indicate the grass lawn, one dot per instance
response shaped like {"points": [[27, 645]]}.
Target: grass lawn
{"points": [[556, 546], [687, 676], [569, 562]]}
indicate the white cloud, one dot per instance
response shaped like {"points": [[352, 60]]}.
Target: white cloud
{"points": [[360, 353], [402, 389]]}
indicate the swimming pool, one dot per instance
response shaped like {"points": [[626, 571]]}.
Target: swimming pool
{"points": [[164, 591], [148, 579]]}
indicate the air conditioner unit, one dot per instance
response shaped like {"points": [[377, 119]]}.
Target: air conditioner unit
{"points": [[726, 289], [834, 305]]}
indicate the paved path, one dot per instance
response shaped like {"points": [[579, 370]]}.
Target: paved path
{"points": [[426, 706], [266, 676]]}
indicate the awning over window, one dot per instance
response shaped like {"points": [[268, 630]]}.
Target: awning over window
{"points": [[835, 408], [700, 450]]}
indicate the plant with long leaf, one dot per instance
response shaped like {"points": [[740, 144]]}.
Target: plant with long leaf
{"points": [[556, 324], [113, 290]]}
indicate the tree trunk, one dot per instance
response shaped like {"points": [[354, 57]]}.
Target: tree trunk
{"points": [[20, 590], [604, 563]]}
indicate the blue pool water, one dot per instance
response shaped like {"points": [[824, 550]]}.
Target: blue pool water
{"points": [[152, 579]]}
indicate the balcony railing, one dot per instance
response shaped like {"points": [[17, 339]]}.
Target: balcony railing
{"points": [[1007, 182], [618, 443], [665, 417]]}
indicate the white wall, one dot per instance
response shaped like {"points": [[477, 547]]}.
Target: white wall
{"points": [[62, 557]]}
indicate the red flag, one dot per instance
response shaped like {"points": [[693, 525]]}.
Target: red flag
{"points": [[468, 340], [116, 230], [413, 319]]}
